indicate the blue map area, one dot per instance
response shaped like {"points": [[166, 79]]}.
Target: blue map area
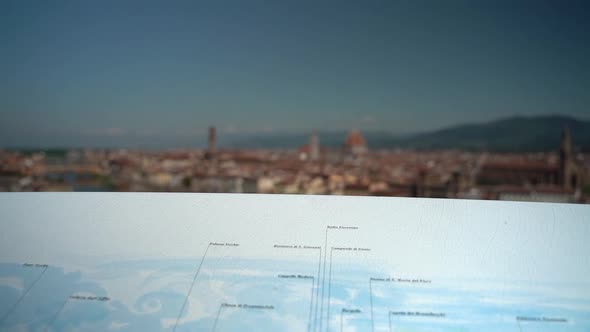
{"points": [[146, 262], [225, 293]]}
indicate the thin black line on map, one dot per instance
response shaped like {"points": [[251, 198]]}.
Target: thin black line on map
{"points": [[315, 320], [238, 307], [309, 322], [323, 279], [311, 304], [54, 318], [371, 299], [75, 297], [191, 288], [22, 296], [329, 291], [216, 318], [389, 317], [323, 298], [315, 288]]}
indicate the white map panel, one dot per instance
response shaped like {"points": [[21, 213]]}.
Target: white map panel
{"points": [[227, 262]]}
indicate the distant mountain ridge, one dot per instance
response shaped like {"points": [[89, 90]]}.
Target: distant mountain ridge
{"points": [[514, 134], [538, 133]]}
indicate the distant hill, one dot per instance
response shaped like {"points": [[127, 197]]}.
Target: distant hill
{"points": [[518, 134], [539, 133]]}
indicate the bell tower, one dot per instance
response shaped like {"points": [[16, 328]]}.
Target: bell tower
{"points": [[565, 147], [568, 170]]}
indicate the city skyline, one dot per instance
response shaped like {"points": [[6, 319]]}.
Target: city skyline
{"points": [[103, 72]]}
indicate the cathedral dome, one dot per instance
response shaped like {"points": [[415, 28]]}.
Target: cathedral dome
{"points": [[355, 138], [355, 143]]}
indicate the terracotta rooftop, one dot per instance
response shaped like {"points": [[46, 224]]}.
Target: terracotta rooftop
{"points": [[520, 165], [354, 138]]}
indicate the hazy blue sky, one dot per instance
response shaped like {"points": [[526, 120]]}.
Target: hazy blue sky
{"points": [[93, 69]]}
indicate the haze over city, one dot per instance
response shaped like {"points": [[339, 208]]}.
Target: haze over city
{"points": [[160, 162], [144, 73], [460, 99]]}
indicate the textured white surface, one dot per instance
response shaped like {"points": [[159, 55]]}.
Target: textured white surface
{"points": [[485, 263], [439, 237]]}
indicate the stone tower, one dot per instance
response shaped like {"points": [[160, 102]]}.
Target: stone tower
{"points": [[569, 172]]}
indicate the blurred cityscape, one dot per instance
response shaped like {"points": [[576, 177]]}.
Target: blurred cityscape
{"points": [[354, 169]]}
